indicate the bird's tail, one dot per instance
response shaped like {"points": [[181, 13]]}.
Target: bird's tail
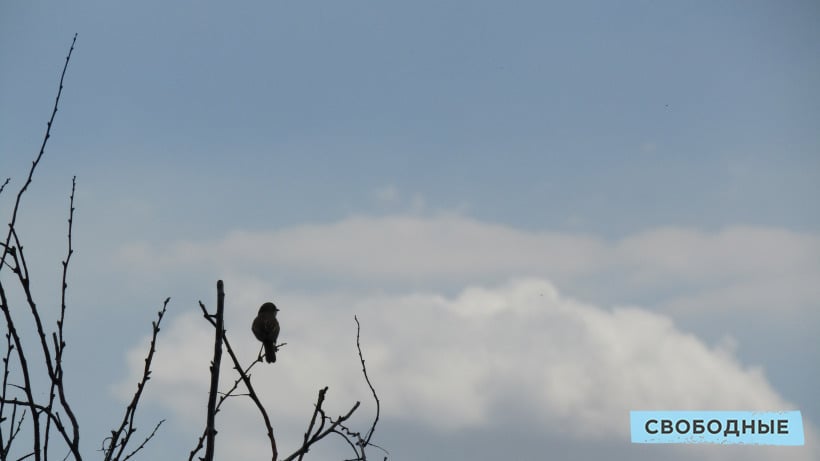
{"points": [[270, 351]]}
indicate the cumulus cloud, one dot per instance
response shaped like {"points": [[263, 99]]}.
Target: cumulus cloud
{"points": [[489, 354], [464, 328]]}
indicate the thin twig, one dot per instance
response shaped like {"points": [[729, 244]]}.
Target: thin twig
{"points": [[121, 435], [39, 156], [317, 436], [17, 430], [145, 442], [316, 409], [25, 456], [350, 443], [37, 408], [372, 390], [253, 396], [65, 275], [4, 447], [59, 342]]}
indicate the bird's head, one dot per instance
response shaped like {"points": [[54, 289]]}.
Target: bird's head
{"points": [[268, 307]]}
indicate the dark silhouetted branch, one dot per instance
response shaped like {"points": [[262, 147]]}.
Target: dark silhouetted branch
{"points": [[37, 408], [59, 342], [39, 156], [24, 369], [120, 436], [320, 425], [245, 378], [21, 270], [6, 445], [367, 379], [354, 439], [319, 434], [144, 442], [219, 334]]}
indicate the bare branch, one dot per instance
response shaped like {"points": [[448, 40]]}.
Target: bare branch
{"points": [[59, 342], [245, 380], [120, 436], [16, 430], [145, 442], [22, 273], [372, 390], [36, 408], [253, 396], [354, 439], [359, 447], [59, 351], [37, 160], [320, 425], [5, 447], [21, 357], [224, 396], [350, 443], [215, 364], [319, 400], [26, 456], [319, 435]]}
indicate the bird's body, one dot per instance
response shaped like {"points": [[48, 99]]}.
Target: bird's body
{"points": [[266, 329]]}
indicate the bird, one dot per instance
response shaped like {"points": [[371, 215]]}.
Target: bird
{"points": [[266, 329]]}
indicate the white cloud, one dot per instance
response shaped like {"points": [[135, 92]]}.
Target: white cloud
{"points": [[389, 247], [520, 350], [733, 252], [685, 265], [452, 344]]}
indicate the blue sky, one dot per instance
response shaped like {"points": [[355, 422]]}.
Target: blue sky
{"points": [[663, 156]]}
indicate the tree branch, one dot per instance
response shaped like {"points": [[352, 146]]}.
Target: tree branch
{"points": [[247, 381], [144, 442], [319, 434], [37, 408], [120, 436], [366, 440], [4, 447], [22, 274], [39, 156], [219, 328], [21, 357], [59, 342]]}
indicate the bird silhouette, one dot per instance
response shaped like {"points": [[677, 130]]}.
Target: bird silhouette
{"points": [[266, 329]]}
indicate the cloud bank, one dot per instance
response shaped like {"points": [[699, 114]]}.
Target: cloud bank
{"points": [[738, 268], [505, 347], [490, 355]]}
